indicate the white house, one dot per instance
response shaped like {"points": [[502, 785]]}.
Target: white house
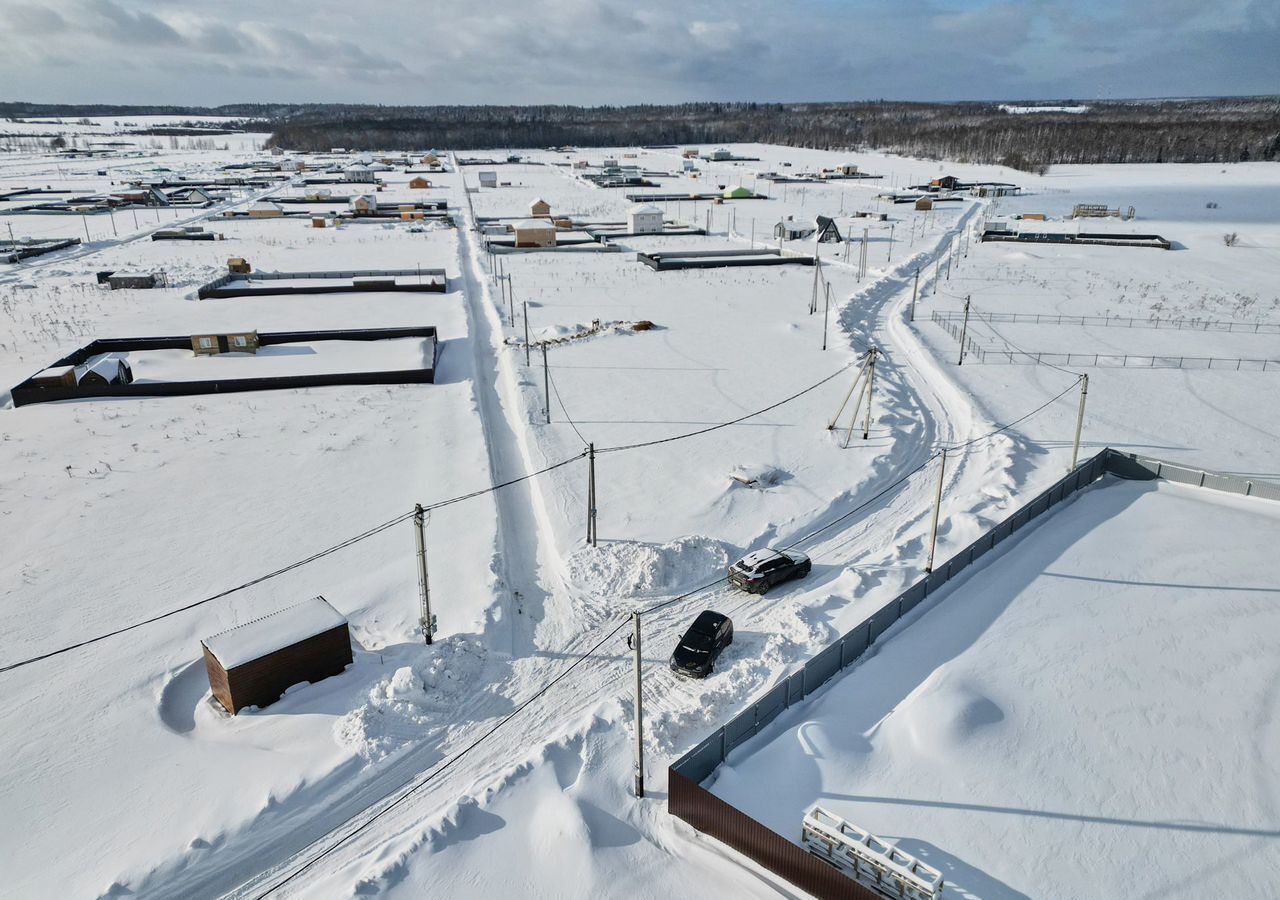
{"points": [[489, 179], [644, 218], [359, 173], [721, 153]]}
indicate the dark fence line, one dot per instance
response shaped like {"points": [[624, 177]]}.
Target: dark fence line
{"points": [[28, 392], [688, 800], [1100, 238], [224, 285], [709, 259]]}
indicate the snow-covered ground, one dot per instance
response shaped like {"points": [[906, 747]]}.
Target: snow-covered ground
{"points": [[1091, 712], [125, 510]]}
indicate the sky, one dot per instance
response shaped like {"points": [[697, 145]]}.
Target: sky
{"points": [[616, 52]]}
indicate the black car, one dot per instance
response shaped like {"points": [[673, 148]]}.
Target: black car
{"points": [[762, 569], [695, 655]]}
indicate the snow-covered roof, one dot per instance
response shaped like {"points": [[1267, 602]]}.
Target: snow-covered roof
{"points": [[108, 367], [258, 637], [266, 205], [536, 200], [755, 557], [358, 168], [533, 225], [646, 208]]}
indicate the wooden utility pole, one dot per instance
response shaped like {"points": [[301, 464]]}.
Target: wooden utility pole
{"points": [[546, 383], [591, 494], [1075, 449], [964, 330], [871, 380], [915, 291], [817, 276], [892, 226], [511, 304], [427, 620], [639, 718], [826, 312], [937, 266], [527, 348], [937, 506], [862, 370]]}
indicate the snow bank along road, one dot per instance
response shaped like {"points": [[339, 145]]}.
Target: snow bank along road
{"points": [[883, 526]]}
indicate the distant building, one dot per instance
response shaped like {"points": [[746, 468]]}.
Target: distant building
{"points": [[419, 183], [364, 203], [827, 231], [721, 153], [847, 169], [791, 230], [265, 209], [359, 173], [924, 203], [946, 183], [534, 233], [644, 218], [539, 207], [737, 193], [489, 179], [108, 370]]}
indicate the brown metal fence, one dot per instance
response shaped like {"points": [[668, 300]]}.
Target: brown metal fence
{"points": [[689, 801]]}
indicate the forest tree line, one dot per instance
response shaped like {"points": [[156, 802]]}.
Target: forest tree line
{"points": [[1214, 130], [1189, 130]]}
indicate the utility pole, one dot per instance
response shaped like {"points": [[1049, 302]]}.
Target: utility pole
{"points": [[84, 221], [892, 226], [511, 303], [964, 330], [937, 506], [526, 332], [591, 494], [826, 308], [639, 723], [871, 380], [1084, 392], [937, 265], [817, 275], [753, 232], [427, 620], [862, 370], [546, 383], [915, 290]]}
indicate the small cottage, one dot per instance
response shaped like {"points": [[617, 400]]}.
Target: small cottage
{"points": [[419, 183], [721, 153], [534, 233], [790, 230], [108, 370], [488, 179], [255, 663], [737, 193], [132, 280], [539, 207], [265, 209], [644, 218], [58, 376], [238, 265], [828, 233], [945, 183], [364, 204], [924, 203]]}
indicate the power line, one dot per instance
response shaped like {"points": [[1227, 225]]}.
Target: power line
{"points": [[750, 415], [341, 545], [1018, 421], [556, 390]]}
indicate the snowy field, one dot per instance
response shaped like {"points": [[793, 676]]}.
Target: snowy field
{"points": [[509, 737], [1089, 713]]}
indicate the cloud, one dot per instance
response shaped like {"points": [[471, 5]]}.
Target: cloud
{"points": [[603, 51]]}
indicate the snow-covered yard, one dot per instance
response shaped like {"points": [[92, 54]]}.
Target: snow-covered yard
{"points": [[1089, 713]]}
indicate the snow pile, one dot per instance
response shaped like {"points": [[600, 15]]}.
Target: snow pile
{"points": [[631, 568], [758, 475], [403, 707]]}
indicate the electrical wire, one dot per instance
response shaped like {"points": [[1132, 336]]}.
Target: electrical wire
{"points": [[556, 390], [341, 545], [743, 418]]}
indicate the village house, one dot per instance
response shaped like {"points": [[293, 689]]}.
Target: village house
{"points": [[534, 233], [644, 218], [539, 207], [265, 209], [419, 183]]}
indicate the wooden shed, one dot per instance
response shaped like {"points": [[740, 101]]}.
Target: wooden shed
{"points": [[239, 265], [534, 233], [108, 370], [265, 209], [419, 183], [539, 207], [255, 663], [924, 203]]}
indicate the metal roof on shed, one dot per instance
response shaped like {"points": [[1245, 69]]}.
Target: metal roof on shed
{"points": [[259, 637]]}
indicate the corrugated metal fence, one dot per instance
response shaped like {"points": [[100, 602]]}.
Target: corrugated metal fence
{"points": [[688, 800]]}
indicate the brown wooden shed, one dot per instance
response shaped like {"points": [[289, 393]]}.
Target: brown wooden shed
{"points": [[255, 663]]}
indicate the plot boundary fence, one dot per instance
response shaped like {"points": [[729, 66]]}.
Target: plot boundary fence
{"points": [[1113, 322], [690, 801], [978, 353]]}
